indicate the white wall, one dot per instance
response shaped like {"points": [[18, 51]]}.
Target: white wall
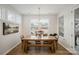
{"points": [[7, 42], [68, 40], [27, 18]]}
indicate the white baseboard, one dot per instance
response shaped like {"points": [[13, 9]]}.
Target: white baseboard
{"points": [[11, 48], [70, 50]]}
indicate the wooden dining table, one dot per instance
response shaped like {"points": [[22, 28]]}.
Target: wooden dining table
{"points": [[48, 39]]}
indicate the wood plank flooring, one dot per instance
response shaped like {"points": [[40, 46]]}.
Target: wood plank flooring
{"points": [[38, 51]]}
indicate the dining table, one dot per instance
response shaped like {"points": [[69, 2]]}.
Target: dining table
{"points": [[51, 42]]}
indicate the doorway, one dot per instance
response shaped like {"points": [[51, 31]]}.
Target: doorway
{"points": [[76, 27]]}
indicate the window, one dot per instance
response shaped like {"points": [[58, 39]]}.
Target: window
{"points": [[11, 16], [3, 13], [39, 25], [18, 19], [61, 26]]}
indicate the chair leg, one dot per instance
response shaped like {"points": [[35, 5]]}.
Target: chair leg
{"points": [[50, 48], [27, 48], [56, 44]]}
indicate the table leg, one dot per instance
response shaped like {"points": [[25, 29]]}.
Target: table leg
{"points": [[26, 46], [22, 45], [53, 46], [56, 44]]}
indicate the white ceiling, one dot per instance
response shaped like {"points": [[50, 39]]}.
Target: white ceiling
{"points": [[44, 8]]}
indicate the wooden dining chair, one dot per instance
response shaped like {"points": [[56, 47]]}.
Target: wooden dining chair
{"points": [[56, 36], [38, 35], [45, 42], [45, 34], [22, 41]]}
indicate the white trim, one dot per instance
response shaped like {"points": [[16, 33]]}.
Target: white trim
{"points": [[11, 49], [70, 50]]}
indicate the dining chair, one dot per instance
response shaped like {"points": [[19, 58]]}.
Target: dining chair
{"points": [[22, 36], [45, 42], [50, 34], [45, 34], [38, 34], [56, 36], [22, 40]]}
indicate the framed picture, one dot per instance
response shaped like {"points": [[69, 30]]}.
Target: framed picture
{"points": [[10, 28]]}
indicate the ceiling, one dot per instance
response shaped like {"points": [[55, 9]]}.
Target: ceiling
{"points": [[44, 8]]}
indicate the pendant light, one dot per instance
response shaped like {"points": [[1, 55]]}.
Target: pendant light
{"points": [[39, 23]]}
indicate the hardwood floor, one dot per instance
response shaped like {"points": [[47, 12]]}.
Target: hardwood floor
{"points": [[38, 51]]}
